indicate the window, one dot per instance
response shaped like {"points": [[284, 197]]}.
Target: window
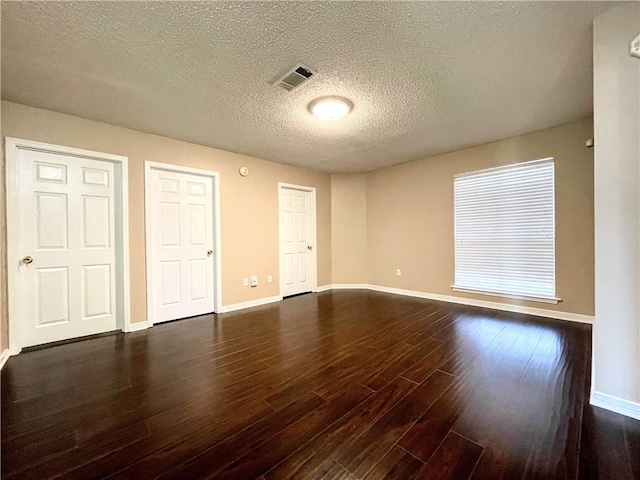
{"points": [[505, 231]]}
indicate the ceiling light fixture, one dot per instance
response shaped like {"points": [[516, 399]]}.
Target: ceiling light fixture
{"points": [[330, 108]]}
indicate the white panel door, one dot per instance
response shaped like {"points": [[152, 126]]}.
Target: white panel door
{"points": [[182, 270], [295, 239], [67, 246]]}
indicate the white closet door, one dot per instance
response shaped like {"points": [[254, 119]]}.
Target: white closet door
{"points": [[182, 270], [67, 255], [295, 215]]}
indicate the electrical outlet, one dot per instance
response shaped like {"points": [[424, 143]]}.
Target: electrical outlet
{"points": [[398, 272], [245, 282], [254, 281], [269, 278]]}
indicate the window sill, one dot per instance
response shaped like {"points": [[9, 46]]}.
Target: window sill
{"points": [[552, 300]]}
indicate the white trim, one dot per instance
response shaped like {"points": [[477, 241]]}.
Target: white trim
{"points": [[539, 312], [136, 327], [121, 164], [4, 356], [553, 300], [348, 286], [314, 233], [615, 404], [574, 317], [251, 303], [148, 166], [324, 288], [124, 200]]}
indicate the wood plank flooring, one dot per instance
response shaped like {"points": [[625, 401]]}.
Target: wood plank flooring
{"points": [[337, 385]]}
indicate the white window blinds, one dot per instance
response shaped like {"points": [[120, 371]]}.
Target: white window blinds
{"points": [[505, 230]]}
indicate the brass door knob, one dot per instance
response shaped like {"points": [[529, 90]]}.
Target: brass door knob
{"points": [[209, 253], [309, 247], [27, 260]]}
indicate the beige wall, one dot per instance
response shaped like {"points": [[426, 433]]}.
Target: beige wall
{"points": [[616, 332], [349, 228], [249, 206], [410, 216], [368, 224]]}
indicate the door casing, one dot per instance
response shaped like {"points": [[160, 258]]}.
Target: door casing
{"points": [[215, 176], [313, 235], [121, 183]]}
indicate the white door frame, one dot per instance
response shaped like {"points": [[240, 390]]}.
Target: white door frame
{"points": [[121, 184], [313, 234], [217, 255]]}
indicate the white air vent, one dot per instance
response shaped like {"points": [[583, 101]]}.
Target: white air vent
{"points": [[294, 77]]}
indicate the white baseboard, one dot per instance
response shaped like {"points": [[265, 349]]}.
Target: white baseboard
{"points": [[4, 356], [252, 303], [348, 286], [615, 404], [540, 312], [323, 288], [136, 327]]}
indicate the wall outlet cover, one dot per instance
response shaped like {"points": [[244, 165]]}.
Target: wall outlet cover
{"points": [[398, 272], [245, 282], [269, 279], [254, 281]]}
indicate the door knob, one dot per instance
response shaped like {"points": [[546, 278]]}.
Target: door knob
{"points": [[209, 253], [309, 247], [27, 260]]}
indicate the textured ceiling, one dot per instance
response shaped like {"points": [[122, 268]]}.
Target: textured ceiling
{"points": [[425, 78]]}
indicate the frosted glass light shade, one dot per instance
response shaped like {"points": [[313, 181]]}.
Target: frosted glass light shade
{"points": [[330, 108]]}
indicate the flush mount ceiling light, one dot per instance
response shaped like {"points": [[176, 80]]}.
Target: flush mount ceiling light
{"points": [[330, 108]]}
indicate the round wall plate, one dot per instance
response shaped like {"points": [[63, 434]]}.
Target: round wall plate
{"points": [[244, 171]]}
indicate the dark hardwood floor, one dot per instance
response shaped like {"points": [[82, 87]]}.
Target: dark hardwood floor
{"points": [[349, 384]]}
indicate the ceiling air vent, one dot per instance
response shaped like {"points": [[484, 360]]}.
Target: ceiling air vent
{"points": [[294, 77]]}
